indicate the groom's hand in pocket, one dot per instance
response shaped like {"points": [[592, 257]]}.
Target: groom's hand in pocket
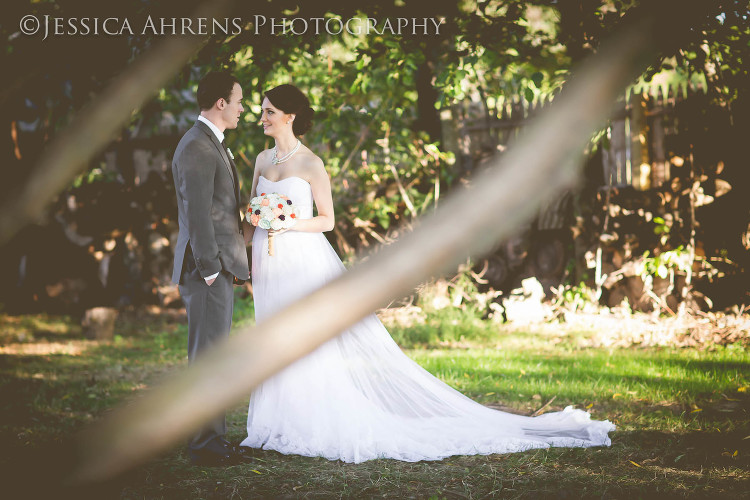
{"points": [[210, 279]]}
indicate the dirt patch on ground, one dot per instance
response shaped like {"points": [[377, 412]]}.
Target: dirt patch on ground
{"points": [[605, 327], [70, 348], [608, 329]]}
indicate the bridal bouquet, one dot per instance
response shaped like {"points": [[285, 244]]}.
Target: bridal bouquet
{"points": [[272, 211]]}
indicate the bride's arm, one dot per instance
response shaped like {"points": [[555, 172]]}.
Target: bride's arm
{"points": [[248, 228], [321, 190]]}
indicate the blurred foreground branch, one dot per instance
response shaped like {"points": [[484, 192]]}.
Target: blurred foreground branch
{"points": [[94, 126]]}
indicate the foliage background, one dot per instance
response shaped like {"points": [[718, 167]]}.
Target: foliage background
{"points": [[390, 111]]}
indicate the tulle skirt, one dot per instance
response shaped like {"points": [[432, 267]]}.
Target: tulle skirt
{"points": [[359, 397]]}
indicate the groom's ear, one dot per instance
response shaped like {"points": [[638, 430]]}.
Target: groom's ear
{"points": [[220, 103]]}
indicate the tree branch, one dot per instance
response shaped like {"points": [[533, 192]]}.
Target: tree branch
{"points": [[70, 151]]}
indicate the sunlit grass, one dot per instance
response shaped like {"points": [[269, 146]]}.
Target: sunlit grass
{"points": [[31, 327], [666, 387]]}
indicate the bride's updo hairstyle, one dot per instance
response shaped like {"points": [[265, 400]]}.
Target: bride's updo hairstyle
{"points": [[291, 100]]}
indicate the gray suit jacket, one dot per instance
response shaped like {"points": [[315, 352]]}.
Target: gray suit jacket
{"points": [[208, 206]]}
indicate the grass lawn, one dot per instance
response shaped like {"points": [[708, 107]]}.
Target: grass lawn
{"points": [[682, 415]]}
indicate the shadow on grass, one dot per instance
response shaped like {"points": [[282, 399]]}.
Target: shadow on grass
{"points": [[639, 464]]}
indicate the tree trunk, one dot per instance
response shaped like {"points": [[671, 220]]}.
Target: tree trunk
{"points": [[428, 119]]}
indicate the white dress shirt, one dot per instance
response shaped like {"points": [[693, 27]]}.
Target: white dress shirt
{"points": [[218, 133]]}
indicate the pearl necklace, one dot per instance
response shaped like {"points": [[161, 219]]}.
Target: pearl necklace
{"points": [[275, 160]]}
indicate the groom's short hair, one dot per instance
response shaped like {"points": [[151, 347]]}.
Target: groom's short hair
{"points": [[214, 86]]}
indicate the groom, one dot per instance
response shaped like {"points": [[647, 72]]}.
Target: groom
{"points": [[210, 254]]}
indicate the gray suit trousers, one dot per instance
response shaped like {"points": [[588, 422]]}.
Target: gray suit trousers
{"points": [[209, 312]]}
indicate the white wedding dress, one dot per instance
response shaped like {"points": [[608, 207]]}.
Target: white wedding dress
{"points": [[359, 397]]}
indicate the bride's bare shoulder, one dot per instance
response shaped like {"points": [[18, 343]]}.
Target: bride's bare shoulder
{"points": [[315, 166], [262, 161], [264, 156], [311, 160]]}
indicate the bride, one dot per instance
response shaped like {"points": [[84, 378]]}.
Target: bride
{"points": [[358, 396]]}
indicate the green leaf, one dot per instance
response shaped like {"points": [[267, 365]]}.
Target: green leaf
{"points": [[537, 78]]}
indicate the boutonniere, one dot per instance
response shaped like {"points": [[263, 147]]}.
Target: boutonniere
{"points": [[229, 152]]}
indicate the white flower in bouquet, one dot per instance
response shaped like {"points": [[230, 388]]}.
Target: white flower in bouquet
{"points": [[266, 213]]}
